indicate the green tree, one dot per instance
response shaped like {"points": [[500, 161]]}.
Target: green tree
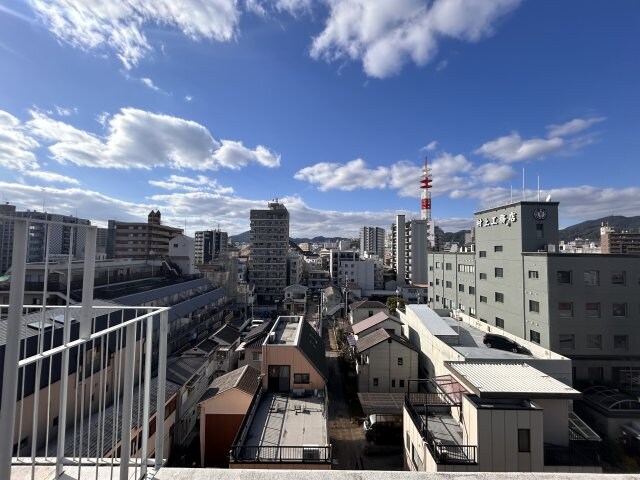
{"points": [[394, 304]]}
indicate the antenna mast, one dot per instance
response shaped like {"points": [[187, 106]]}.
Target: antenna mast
{"points": [[425, 193]]}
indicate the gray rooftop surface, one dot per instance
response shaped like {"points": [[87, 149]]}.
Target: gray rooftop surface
{"points": [[281, 420]]}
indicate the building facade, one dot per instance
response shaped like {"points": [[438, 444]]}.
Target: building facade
{"points": [[140, 240], [409, 254], [269, 247], [209, 244], [619, 242], [372, 240], [583, 306]]}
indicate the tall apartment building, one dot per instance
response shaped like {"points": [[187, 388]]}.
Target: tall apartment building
{"points": [[209, 244], [619, 242], [140, 240], [269, 237], [295, 262], [372, 240], [410, 246], [62, 235], [583, 306], [336, 259]]}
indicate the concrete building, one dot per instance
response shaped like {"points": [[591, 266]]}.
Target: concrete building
{"points": [[372, 240], [269, 247], [295, 299], [140, 240], [61, 234], [379, 320], [619, 242], [182, 254], [295, 267], [359, 311], [410, 246], [342, 273], [581, 305], [385, 362], [209, 244]]}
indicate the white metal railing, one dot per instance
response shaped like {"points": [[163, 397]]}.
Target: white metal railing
{"points": [[79, 381]]}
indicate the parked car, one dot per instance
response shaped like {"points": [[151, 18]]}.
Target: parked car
{"points": [[383, 429], [491, 340]]}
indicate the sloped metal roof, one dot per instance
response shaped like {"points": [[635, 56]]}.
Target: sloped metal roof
{"points": [[246, 379], [372, 322]]}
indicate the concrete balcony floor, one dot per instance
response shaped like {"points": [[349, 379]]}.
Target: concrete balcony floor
{"points": [[106, 473]]}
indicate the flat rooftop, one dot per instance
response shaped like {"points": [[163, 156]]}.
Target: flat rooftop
{"points": [[282, 421], [468, 343], [285, 330]]}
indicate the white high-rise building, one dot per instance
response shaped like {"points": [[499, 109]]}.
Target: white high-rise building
{"points": [[410, 247], [372, 240]]}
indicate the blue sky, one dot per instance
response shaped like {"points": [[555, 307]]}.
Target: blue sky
{"points": [[208, 109]]}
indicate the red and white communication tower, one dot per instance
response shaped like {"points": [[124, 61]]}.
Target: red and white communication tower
{"points": [[425, 194]]}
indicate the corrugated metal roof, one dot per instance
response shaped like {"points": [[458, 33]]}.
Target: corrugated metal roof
{"points": [[226, 334], [183, 309], [246, 379], [500, 380], [372, 322], [367, 304], [181, 369], [154, 294], [312, 346], [380, 336]]}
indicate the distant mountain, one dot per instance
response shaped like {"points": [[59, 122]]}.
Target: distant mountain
{"points": [[590, 229], [454, 237], [241, 237], [244, 238]]}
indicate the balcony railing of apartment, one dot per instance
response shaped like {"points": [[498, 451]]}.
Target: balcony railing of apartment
{"points": [[77, 386], [419, 406]]}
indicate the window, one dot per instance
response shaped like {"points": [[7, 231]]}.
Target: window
{"points": [[618, 277], [592, 309], [437, 281], [437, 298], [539, 230], [594, 341], [483, 276], [483, 254], [375, 382], [472, 290], [393, 383], [619, 309], [460, 287], [567, 341], [591, 277], [437, 264], [499, 322], [497, 248], [534, 306], [483, 299], [472, 312], [621, 342], [300, 378], [565, 309], [498, 272], [499, 297], [524, 440], [533, 274], [401, 383], [371, 313], [400, 360], [448, 284], [534, 336], [564, 277], [256, 356], [447, 266]]}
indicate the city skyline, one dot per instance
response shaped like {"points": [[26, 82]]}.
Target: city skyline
{"points": [[206, 112]]}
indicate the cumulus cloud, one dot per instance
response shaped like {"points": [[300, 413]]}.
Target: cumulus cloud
{"points": [[141, 139], [64, 111], [431, 146], [188, 184], [51, 177], [512, 148], [119, 26], [16, 145], [385, 35], [573, 126], [349, 176]]}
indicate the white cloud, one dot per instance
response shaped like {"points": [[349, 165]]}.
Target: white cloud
{"points": [[119, 26], [387, 35], [188, 98], [16, 145], [350, 176], [65, 112], [431, 146], [512, 148], [442, 64], [493, 173], [294, 7], [51, 177], [188, 184], [140, 139], [149, 83], [573, 126]]}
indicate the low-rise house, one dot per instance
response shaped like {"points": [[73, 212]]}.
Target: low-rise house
{"points": [[358, 311], [228, 339], [287, 423], [295, 299], [249, 351], [379, 320], [385, 362], [497, 417], [223, 407]]}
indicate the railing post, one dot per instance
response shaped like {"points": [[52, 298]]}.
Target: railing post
{"points": [[127, 401], [162, 375], [146, 397], [12, 347], [64, 390], [87, 281]]}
